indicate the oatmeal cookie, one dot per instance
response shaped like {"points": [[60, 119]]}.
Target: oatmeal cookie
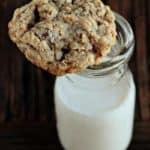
{"points": [[64, 36]]}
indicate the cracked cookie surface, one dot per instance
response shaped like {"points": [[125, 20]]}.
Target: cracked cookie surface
{"points": [[63, 36]]}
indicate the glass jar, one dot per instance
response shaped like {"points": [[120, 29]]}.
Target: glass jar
{"points": [[95, 108]]}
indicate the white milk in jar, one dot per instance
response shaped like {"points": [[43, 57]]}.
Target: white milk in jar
{"points": [[95, 108]]}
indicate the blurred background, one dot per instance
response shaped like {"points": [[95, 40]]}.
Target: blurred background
{"points": [[27, 118]]}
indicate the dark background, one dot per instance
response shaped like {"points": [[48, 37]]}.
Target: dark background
{"points": [[27, 120]]}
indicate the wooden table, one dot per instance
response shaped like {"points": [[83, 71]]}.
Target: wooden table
{"points": [[27, 120]]}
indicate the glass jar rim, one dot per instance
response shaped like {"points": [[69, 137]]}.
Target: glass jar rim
{"points": [[123, 50]]}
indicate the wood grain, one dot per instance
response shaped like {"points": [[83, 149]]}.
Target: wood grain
{"points": [[27, 118], [141, 57]]}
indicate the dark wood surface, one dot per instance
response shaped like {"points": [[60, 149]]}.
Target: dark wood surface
{"points": [[27, 119]]}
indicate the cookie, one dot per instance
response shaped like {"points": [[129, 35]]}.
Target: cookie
{"points": [[64, 36]]}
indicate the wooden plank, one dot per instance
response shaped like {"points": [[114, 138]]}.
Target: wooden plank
{"points": [[148, 42], [11, 65], [49, 91], [141, 58], [41, 84], [126, 9], [19, 89], [3, 86], [31, 101], [115, 5], [45, 94], [3, 62], [39, 93]]}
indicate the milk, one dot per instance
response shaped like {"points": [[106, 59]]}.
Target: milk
{"points": [[95, 114]]}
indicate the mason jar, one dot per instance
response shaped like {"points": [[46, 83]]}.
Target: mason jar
{"points": [[95, 108]]}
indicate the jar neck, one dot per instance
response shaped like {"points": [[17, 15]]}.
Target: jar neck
{"points": [[92, 81]]}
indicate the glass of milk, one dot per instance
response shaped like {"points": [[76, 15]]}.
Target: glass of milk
{"points": [[95, 108]]}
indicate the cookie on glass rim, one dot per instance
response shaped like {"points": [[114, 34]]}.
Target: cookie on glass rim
{"points": [[64, 36]]}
